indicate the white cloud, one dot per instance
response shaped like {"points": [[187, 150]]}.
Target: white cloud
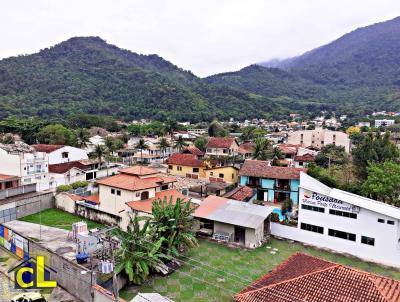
{"points": [[206, 36]]}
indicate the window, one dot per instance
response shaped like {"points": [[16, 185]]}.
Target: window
{"points": [[170, 167], [322, 142], [112, 191], [225, 150], [137, 194], [380, 220], [342, 235], [334, 136], [312, 208], [343, 214], [195, 170], [144, 195], [119, 192], [312, 228], [368, 240], [164, 187], [221, 175], [233, 176], [209, 150], [179, 168], [211, 173], [390, 222], [64, 155]]}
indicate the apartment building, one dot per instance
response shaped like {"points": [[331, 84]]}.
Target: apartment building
{"points": [[23, 161]]}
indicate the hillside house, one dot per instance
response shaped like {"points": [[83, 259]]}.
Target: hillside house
{"points": [[222, 146], [59, 154]]}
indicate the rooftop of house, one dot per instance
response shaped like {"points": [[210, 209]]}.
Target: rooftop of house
{"points": [[303, 278], [305, 158], [193, 150], [184, 160], [247, 148], [240, 193], [259, 168], [46, 148], [5, 177], [65, 167], [17, 147], [146, 205], [290, 149], [220, 142], [232, 212], [139, 171], [134, 182]]}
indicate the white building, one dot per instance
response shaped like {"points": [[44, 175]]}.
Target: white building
{"points": [[383, 123], [59, 154], [345, 222], [319, 138], [21, 160]]}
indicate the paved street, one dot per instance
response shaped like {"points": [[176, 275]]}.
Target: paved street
{"points": [[6, 290]]}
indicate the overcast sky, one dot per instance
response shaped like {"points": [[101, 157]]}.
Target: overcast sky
{"points": [[205, 36]]}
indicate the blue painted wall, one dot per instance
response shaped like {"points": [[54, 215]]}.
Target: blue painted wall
{"points": [[243, 180], [294, 184], [294, 196], [267, 183], [271, 194]]}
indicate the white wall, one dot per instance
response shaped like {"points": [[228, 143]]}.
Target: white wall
{"points": [[74, 154], [387, 246]]}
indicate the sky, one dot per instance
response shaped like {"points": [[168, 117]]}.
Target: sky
{"points": [[204, 36]]}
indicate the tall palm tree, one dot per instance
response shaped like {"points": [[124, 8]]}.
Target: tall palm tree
{"points": [[263, 149], [99, 152], [141, 145], [171, 126], [82, 136], [138, 255], [180, 143], [213, 128], [163, 144], [173, 221]]}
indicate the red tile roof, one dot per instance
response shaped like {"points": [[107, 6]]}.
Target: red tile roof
{"points": [[289, 148], [65, 167], [247, 148], [193, 150], [93, 198], [184, 160], [220, 142], [304, 278], [138, 170], [46, 148], [4, 177], [134, 183], [259, 168], [146, 205], [209, 205], [306, 157], [240, 193]]}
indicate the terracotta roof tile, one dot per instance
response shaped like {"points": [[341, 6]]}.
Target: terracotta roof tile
{"points": [[134, 183], [304, 278], [138, 170], [92, 198], [65, 167], [146, 205], [4, 177], [184, 160], [46, 148], [289, 148], [247, 148], [240, 193], [259, 168], [220, 142], [193, 150], [306, 157]]}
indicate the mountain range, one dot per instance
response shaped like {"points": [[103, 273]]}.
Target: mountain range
{"points": [[355, 74]]}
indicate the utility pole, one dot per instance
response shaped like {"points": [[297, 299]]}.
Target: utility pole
{"points": [[115, 280]]}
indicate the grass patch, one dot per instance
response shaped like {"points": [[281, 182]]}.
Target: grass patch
{"points": [[193, 283], [59, 219]]}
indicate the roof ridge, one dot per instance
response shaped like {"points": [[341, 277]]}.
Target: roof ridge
{"points": [[293, 279], [376, 286]]}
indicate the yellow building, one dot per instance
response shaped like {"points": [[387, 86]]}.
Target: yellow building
{"points": [[226, 174]]}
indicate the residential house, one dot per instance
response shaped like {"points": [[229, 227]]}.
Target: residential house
{"points": [[307, 278], [194, 151], [59, 154], [222, 146], [10, 186], [23, 161], [188, 165], [246, 150], [302, 161], [384, 123], [133, 190], [232, 221], [319, 138], [273, 184]]}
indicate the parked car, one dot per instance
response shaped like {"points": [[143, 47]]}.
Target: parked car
{"points": [[28, 297]]}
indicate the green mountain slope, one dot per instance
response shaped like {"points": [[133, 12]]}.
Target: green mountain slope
{"points": [[89, 75]]}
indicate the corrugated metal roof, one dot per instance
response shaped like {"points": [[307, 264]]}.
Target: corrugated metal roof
{"points": [[241, 214]]}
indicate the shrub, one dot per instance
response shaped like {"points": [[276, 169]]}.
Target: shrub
{"points": [[80, 184], [274, 217], [64, 188]]}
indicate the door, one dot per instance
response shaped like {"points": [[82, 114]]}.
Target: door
{"points": [[240, 235]]}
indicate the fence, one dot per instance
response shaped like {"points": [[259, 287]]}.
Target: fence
{"points": [[17, 191]]}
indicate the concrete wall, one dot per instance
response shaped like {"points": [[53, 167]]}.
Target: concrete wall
{"points": [[34, 204], [17, 191], [74, 154]]}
